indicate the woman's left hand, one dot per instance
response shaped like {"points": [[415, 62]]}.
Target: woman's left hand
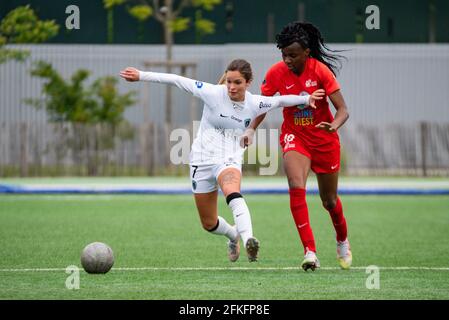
{"points": [[246, 139], [130, 74], [326, 126]]}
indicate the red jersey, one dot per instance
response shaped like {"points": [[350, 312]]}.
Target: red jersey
{"points": [[300, 119]]}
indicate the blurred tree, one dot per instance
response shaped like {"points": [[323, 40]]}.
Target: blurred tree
{"points": [[91, 119], [141, 13], [203, 26], [170, 17], [70, 102], [109, 6], [21, 25]]}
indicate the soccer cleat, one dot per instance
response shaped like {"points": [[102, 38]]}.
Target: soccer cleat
{"points": [[344, 255], [234, 249], [310, 261], [252, 249]]}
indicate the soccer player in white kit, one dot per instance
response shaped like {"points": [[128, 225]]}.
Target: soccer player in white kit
{"points": [[216, 155]]}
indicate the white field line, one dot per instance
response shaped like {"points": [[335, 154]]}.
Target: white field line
{"points": [[227, 269]]}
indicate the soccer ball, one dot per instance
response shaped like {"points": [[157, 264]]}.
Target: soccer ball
{"points": [[97, 257]]}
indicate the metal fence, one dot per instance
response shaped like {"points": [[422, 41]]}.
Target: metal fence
{"points": [[397, 95], [43, 149]]}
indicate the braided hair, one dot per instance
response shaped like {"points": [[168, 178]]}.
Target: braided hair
{"points": [[308, 36]]}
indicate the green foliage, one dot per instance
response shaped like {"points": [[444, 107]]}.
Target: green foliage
{"points": [[109, 4], [202, 26], [206, 4], [21, 25], [141, 12], [111, 105], [71, 102], [179, 24], [12, 54], [94, 114]]}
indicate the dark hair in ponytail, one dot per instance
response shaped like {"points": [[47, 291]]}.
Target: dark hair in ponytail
{"points": [[309, 37]]}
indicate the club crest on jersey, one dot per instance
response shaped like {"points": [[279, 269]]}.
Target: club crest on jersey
{"points": [[199, 84], [302, 106], [247, 122], [310, 83]]}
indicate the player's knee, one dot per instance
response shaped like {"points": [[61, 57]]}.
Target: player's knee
{"points": [[329, 202], [296, 182], [209, 225]]}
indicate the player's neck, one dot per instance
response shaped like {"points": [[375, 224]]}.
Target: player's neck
{"points": [[298, 71]]}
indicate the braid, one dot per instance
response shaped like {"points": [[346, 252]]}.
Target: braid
{"points": [[308, 36]]}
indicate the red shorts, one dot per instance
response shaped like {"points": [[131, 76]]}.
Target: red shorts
{"points": [[324, 158]]}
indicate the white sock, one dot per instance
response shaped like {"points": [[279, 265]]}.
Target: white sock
{"points": [[242, 218], [225, 229]]}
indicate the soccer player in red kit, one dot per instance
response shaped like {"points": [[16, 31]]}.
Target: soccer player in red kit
{"points": [[309, 136]]}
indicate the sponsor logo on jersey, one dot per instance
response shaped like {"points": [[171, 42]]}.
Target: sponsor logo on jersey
{"points": [[290, 86], [303, 117], [236, 119], [264, 105], [199, 84], [223, 116], [310, 83]]}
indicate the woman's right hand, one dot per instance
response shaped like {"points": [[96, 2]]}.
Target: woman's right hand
{"points": [[316, 95], [130, 74]]}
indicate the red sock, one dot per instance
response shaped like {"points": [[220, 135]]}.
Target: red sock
{"points": [[300, 214], [339, 221]]}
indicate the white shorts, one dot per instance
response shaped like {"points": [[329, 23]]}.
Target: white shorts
{"points": [[204, 176]]}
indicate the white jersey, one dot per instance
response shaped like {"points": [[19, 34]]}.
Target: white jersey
{"points": [[223, 120]]}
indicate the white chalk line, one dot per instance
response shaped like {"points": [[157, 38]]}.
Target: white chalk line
{"points": [[297, 268]]}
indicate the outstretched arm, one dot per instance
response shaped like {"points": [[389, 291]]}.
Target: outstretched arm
{"points": [[294, 100], [275, 102], [197, 88], [269, 103]]}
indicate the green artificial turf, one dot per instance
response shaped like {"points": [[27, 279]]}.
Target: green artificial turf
{"points": [[161, 234]]}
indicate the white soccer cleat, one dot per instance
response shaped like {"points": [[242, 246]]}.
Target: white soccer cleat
{"points": [[234, 249], [252, 249], [310, 261], [344, 255]]}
